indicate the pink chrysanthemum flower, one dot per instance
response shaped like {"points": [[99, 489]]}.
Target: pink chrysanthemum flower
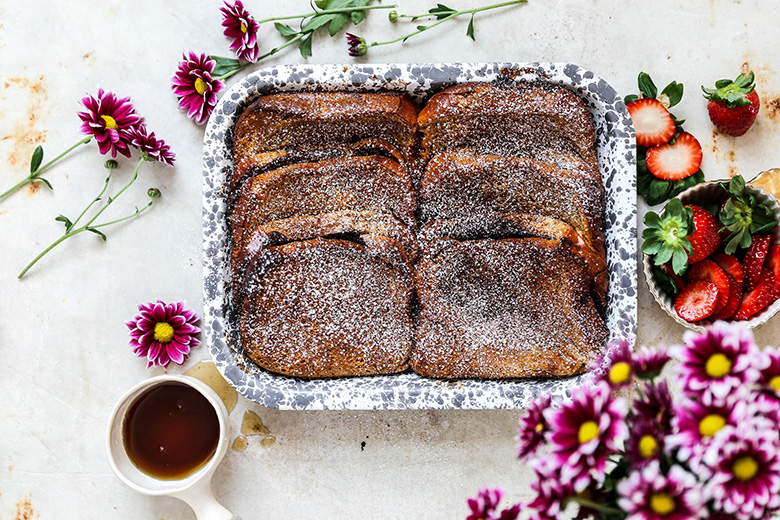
{"points": [[585, 431], [550, 490], [357, 45], [163, 333], [648, 363], [648, 494], [242, 29], [484, 505], [196, 89], [742, 474], [619, 371], [655, 405], [533, 428], [152, 148], [109, 119], [646, 443], [770, 373], [715, 362]]}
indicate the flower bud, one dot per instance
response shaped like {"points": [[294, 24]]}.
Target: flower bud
{"points": [[111, 164], [154, 193], [393, 16]]}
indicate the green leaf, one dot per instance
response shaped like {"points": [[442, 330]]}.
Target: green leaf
{"points": [[36, 159], [359, 16], [722, 83], [651, 247], [658, 190], [630, 98], [65, 220], [442, 11], [470, 29], [97, 232], [224, 65], [651, 218], [47, 183], [665, 282], [422, 27], [285, 30], [305, 46], [663, 256], [679, 261], [338, 23], [318, 21], [674, 91], [646, 85]]}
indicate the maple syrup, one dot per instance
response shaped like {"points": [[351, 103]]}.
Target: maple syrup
{"points": [[171, 431]]}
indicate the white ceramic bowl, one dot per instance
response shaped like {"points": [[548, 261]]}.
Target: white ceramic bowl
{"points": [[765, 187]]}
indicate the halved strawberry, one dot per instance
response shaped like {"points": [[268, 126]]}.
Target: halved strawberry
{"points": [[696, 301], [709, 271], [705, 238], [731, 265], [772, 263], [672, 162], [652, 122], [733, 302], [754, 259], [758, 298]]}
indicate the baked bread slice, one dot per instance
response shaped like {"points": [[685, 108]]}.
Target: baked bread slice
{"points": [[458, 184], [507, 118], [329, 308], [359, 183], [504, 308], [293, 119]]}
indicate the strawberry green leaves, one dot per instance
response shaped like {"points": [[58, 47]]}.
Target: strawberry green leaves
{"points": [[743, 216], [666, 235]]}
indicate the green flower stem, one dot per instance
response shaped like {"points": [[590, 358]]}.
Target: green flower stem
{"points": [[594, 505], [316, 12], [128, 217], [38, 171], [100, 195], [267, 54], [439, 22], [89, 225]]}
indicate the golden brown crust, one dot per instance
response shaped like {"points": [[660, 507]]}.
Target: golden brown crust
{"points": [[505, 308], [330, 308], [523, 119], [457, 184], [290, 119], [349, 183]]}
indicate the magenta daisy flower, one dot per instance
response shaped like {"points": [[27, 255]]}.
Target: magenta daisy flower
{"points": [[648, 494], [654, 405], [585, 431], [195, 88], [357, 45], [533, 428], [742, 474], [484, 505], [618, 372], [646, 443], [242, 29], [109, 119], [163, 333], [648, 363], [551, 491], [717, 361], [770, 372], [151, 148]]}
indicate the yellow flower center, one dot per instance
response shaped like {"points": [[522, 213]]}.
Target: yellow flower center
{"points": [[745, 468], [200, 86], [110, 122], [775, 383], [711, 425], [163, 332], [539, 427], [243, 27], [619, 373], [648, 446], [718, 365], [588, 431], [662, 503]]}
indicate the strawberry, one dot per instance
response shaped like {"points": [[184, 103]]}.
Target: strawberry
{"points": [[772, 263], [696, 301], [733, 105], [705, 238], [754, 259], [732, 303], [652, 122], [709, 271], [758, 298], [731, 265], [672, 162]]}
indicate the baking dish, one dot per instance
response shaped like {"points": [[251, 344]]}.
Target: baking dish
{"points": [[616, 155]]}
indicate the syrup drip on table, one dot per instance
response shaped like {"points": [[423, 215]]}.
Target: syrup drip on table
{"points": [[171, 431]]}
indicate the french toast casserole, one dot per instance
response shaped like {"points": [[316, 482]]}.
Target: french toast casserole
{"points": [[460, 239]]}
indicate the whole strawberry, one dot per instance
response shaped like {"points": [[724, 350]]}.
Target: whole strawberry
{"points": [[733, 105]]}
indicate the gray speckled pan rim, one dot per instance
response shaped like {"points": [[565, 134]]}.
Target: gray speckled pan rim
{"points": [[616, 152]]}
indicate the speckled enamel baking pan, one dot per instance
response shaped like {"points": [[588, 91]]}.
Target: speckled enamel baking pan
{"points": [[616, 154]]}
